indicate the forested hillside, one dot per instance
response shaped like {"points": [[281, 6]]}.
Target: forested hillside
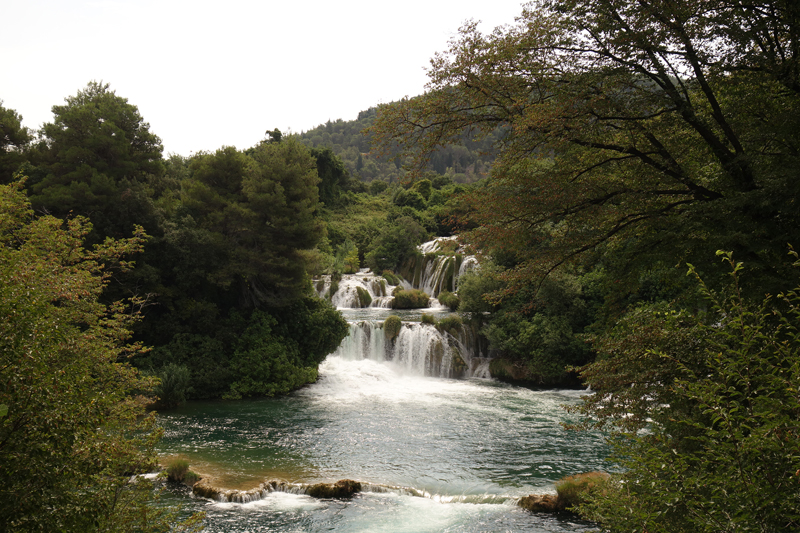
{"points": [[465, 160]]}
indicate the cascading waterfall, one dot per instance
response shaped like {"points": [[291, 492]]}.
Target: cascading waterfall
{"points": [[356, 291], [432, 272], [365, 341], [418, 349], [438, 267]]}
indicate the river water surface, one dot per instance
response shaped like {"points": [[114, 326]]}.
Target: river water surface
{"points": [[440, 454]]}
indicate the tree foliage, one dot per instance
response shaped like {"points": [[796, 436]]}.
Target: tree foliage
{"points": [[637, 125], [14, 139], [718, 398], [257, 215], [96, 159], [73, 432]]}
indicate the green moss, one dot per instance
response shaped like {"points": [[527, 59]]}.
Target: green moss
{"points": [[412, 299], [334, 288], [428, 319], [392, 326], [458, 363], [452, 324], [391, 277], [364, 299], [344, 488]]}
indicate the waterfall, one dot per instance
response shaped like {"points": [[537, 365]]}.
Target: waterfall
{"points": [[418, 349], [356, 291], [438, 266]]}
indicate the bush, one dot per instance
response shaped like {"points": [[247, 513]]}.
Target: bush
{"points": [[574, 490], [266, 363], [451, 324], [392, 326], [721, 450], [391, 277], [428, 319], [178, 472], [177, 469], [411, 299], [174, 385], [377, 186], [364, 299], [449, 299]]}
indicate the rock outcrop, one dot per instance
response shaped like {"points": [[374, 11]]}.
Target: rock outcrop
{"points": [[344, 488]]}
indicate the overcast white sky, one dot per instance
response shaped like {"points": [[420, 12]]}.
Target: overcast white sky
{"points": [[209, 74]]}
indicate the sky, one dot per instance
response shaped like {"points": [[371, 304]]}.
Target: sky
{"points": [[212, 74]]}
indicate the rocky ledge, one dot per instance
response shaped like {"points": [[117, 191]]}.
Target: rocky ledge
{"points": [[344, 488]]}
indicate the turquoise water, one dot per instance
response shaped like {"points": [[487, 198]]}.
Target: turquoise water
{"points": [[467, 448]]}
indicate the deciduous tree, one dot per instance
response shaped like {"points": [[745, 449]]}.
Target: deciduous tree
{"points": [[645, 123], [72, 431]]}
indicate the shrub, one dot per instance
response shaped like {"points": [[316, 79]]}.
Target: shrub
{"points": [[718, 395], [364, 299], [377, 186], [573, 490], [449, 299], [177, 469], [391, 277], [178, 472], [174, 385], [392, 326], [451, 324], [411, 299], [428, 319]]}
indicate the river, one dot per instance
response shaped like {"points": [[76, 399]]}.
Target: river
{"points": [[439, 454]]}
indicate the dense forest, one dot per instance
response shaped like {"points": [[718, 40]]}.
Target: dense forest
{"points": [[627, 174], [465, 160]]}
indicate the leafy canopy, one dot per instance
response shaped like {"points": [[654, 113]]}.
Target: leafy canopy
{"points": [[640, 126], [703, 412], [71, 431]]}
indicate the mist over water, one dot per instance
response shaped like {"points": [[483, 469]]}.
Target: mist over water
{"points": [[440, 454]]}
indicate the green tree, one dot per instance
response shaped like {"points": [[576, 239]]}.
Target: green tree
{"points": [[332, 174], [398, 241], [233, 263], [639, 126], [259, 215], [96, 159], [14, 139], [704, 417], [72, 432]]}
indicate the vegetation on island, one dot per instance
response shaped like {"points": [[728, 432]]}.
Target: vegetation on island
{"points": [[640, 138]]}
